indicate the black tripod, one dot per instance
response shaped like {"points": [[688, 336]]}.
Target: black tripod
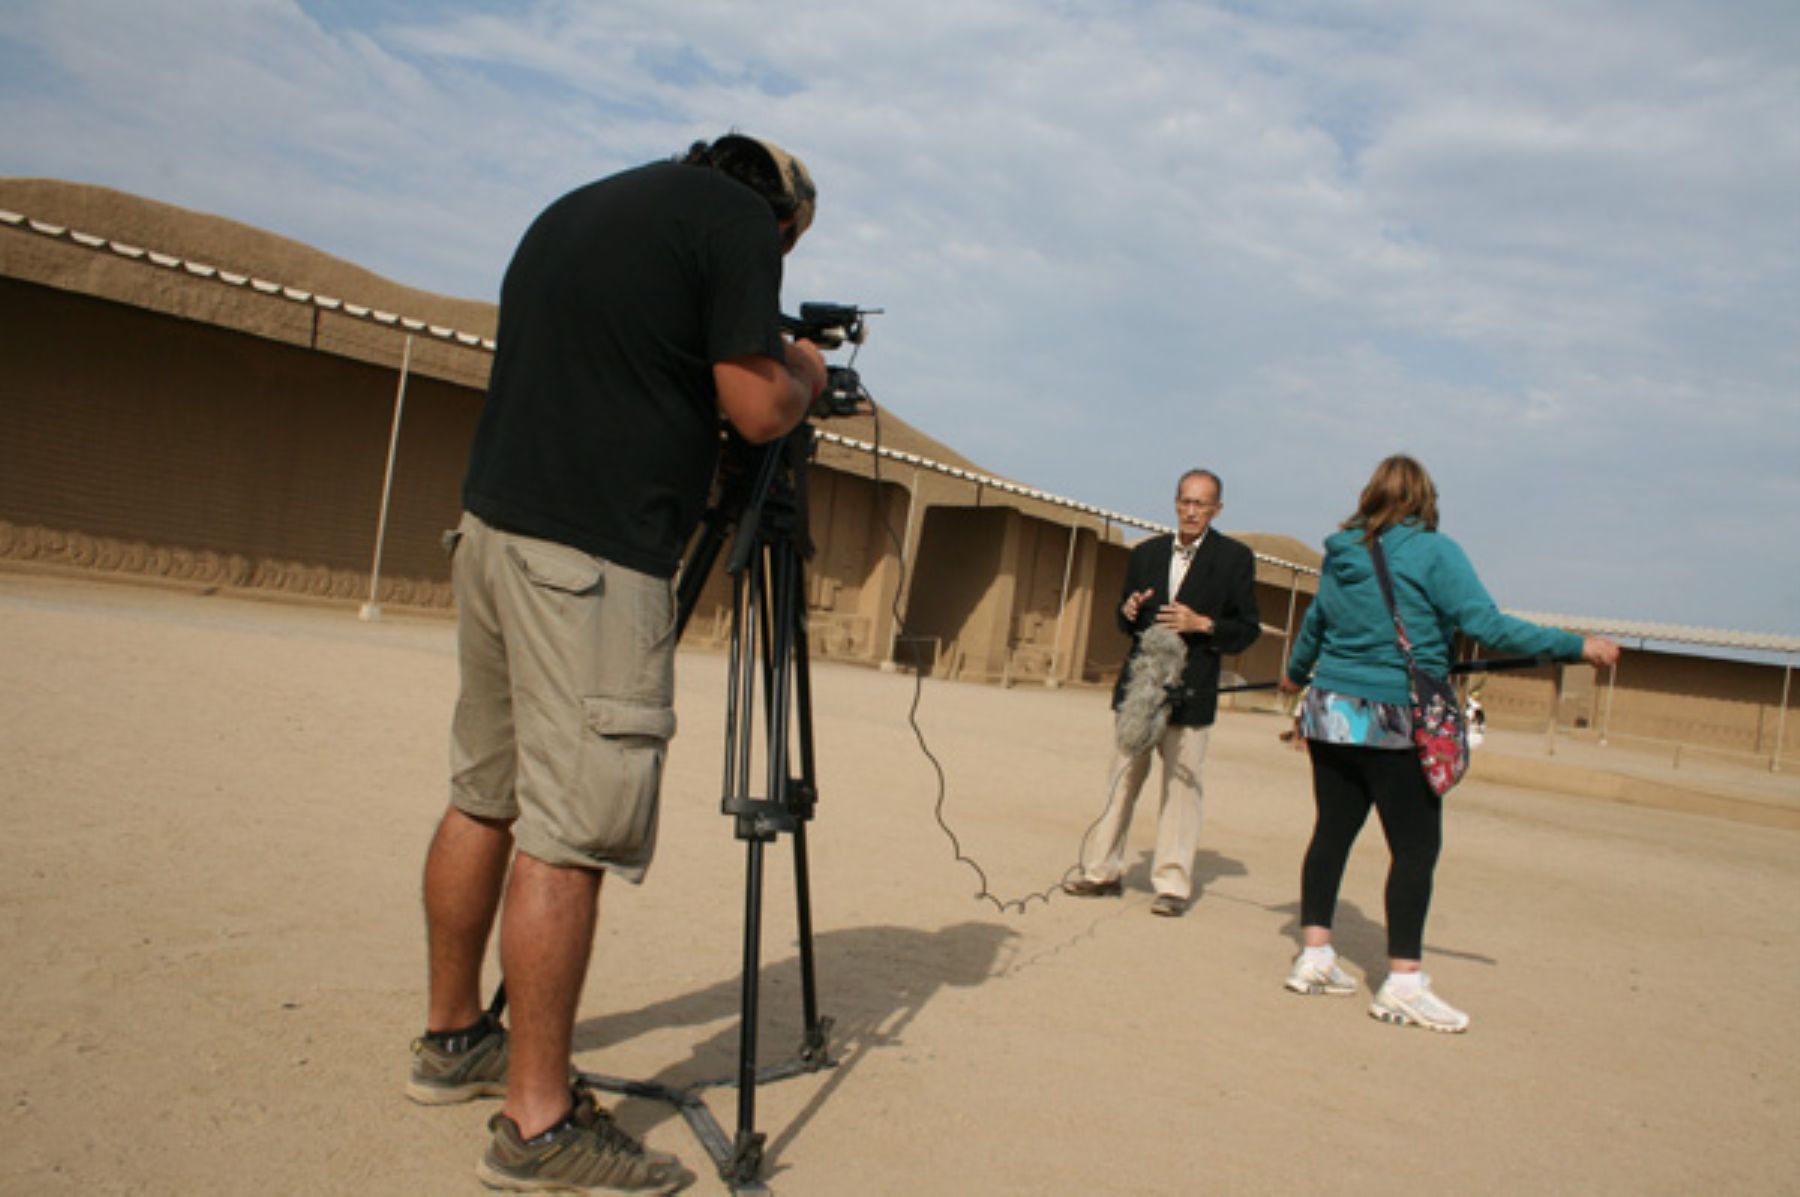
{"points": [[762, 496]]}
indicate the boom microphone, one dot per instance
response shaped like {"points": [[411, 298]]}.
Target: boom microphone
{"points": [[1479, 665]]}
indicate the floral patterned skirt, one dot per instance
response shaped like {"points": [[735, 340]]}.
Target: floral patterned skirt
{"points": [[1334, 718]]}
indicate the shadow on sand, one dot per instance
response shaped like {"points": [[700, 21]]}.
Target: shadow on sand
{"points": [[1362, 940], [873, 981]]}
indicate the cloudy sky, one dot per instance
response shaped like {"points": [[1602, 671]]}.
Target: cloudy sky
{"points": [[1550, 247]]}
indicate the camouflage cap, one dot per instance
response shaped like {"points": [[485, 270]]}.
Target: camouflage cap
{"points": [[796, 180]]}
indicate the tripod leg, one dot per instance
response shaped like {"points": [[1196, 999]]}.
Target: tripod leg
{"points": [[814, 1048], [747, 1159], [752, 588]]}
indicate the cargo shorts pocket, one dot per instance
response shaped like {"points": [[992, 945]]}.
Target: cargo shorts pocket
{"points": [[623, 749], [556, 567]]}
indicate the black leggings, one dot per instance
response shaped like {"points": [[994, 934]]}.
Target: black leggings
{"points": [[1347, 780]]}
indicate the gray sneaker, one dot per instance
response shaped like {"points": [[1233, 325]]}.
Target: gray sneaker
{"points": [[445, 1074], [585, 1153], [1421, 1009], [1315, 978]]}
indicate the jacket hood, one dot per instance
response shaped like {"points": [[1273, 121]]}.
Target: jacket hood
{"points": [[1347, 558]]}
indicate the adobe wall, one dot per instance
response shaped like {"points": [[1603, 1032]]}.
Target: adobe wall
{"points": [[989, 604], [1726, 706], [851, 578], [144, 443], [141, 442], [957, 592], [1040, 635], [1107, 645], [1729, 705]]}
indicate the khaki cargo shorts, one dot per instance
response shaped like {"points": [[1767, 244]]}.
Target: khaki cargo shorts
{"points": [[567, 700]]}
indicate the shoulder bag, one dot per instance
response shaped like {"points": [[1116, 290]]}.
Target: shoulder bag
{"points": [[1440, 732]]}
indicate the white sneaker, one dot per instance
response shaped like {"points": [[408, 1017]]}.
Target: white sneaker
{"points": [[1422, 1008], [1307, 977]]}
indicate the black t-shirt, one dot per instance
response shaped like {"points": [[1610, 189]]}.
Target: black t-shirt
{"points": [[601, 427]]}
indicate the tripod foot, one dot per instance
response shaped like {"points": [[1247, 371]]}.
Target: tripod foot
{"points": [[745, 1168], [815, 1050]]}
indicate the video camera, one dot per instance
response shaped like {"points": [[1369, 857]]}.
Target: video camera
{"points": [[831, 326]]}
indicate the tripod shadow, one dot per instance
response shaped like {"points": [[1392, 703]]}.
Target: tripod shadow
{"points": [[872, 982], [1362, 940]]}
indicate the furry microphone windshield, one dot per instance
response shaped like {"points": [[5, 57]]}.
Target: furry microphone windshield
{"points": [[1149, 693]]}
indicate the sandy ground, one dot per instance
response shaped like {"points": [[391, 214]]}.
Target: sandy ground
{"points": [[216, 809]]}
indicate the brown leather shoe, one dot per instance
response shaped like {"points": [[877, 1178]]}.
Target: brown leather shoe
{"points": [[1083, 887], [1169, 906]]}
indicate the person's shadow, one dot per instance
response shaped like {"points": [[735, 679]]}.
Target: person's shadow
{"points": [[1208, 867], [872, 983]]}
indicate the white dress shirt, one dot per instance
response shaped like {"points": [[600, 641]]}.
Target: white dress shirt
{"points": [[1180, 557]]}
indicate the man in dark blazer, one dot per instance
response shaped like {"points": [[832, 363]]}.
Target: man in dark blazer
{"points": [[1213, 581]]}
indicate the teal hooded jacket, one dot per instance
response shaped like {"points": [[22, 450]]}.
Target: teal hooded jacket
{"points": [[1346, 643]]}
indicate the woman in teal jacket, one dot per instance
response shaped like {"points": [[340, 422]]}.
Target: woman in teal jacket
{"points": [[1357, 720]]}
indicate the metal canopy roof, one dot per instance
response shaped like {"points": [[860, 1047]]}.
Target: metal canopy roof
{"points": [[1673, 633]]}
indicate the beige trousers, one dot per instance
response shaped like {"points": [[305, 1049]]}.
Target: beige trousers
{"points": [[1182, 750]]}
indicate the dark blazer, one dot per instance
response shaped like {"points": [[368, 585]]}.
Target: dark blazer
{"points": [[1221, 583]]}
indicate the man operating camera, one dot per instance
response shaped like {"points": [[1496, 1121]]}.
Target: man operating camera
{"points": [[636, 311]]}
